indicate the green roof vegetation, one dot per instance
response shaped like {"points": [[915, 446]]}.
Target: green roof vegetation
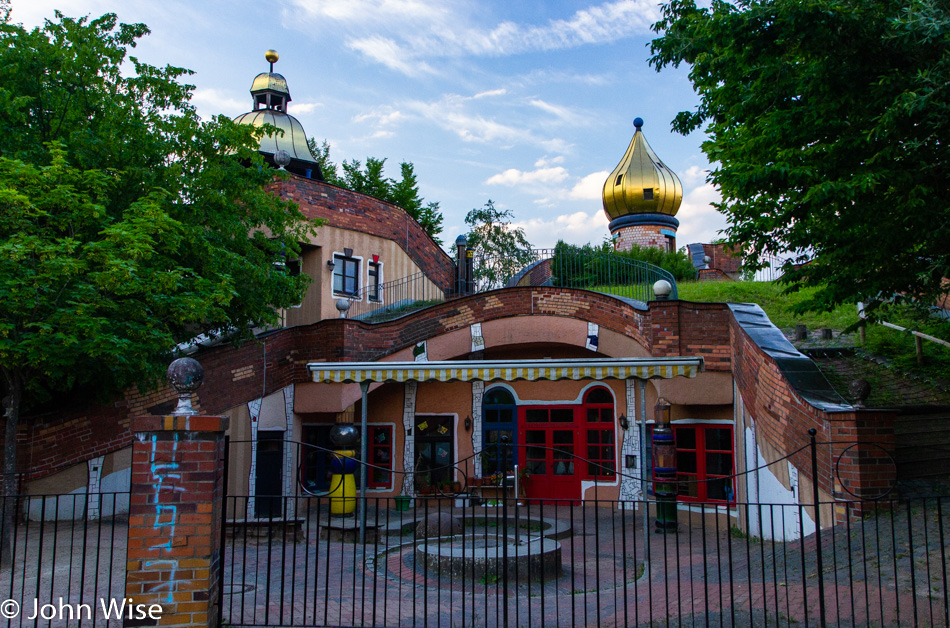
{"points": [[895, 346]]}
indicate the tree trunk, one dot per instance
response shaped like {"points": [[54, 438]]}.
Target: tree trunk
{"points": [[12, 402]]}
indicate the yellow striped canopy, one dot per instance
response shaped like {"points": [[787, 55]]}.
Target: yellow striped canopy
{"points": [[505, 370]]}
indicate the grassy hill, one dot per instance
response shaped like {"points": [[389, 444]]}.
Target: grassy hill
{"points": [[896, 347]]}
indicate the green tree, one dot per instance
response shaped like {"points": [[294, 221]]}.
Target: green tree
{"points": [[369, 180], [829, 121], [499, 249], [127, 225]]}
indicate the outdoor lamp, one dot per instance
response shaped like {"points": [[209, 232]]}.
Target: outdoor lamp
{"points": [[664, 469], [468, 424], [331, 264], [624, 424]]}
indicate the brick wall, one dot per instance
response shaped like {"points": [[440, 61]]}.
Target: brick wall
{"points": [[782, 418], [642, 235], [721, 259], [234, 375], [357, 212], [536, 274]]}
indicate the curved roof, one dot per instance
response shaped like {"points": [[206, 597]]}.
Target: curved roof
{"points": [[641, 182], [270, 81], [294, 139]]}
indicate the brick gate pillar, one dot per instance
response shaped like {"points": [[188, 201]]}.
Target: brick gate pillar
{"points": [[175, 512]]}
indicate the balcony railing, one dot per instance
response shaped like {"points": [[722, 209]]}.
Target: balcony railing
{"points": [[564, 266]]}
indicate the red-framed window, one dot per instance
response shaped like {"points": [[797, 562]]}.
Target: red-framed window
{"points": [[600, 434], [705, 462], [379, 449]]}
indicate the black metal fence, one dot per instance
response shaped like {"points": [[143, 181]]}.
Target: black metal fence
{"points": [[63, 563], [478, 555], [449, 562]]}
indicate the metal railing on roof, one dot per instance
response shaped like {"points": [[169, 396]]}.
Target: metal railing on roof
{"points": [[393, 299], [567, 267]]}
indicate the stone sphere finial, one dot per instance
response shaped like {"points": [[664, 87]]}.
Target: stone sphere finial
{"points": [[282, 158], [185, 375], [342, 306], [662, 289]]}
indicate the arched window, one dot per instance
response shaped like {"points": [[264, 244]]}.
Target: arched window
{"points": [[601, 444], [499, 417]]}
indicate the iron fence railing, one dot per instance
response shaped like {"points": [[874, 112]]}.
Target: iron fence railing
{"points": [[587, 270], [572, 267], [450, 562], [491, 555], [384, 302], [63, 563]]}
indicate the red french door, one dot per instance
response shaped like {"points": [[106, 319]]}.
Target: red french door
{"points": [[550, 437]]}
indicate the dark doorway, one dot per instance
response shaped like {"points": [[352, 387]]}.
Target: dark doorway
{"points": [[270, 463]]}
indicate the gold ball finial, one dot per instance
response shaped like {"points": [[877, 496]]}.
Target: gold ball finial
{"points": [[271, 56]]}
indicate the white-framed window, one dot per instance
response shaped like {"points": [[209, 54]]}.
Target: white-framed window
{"points": [[346, 274], [374, 281]]}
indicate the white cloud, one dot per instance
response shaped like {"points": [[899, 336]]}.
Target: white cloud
{"points": [[303, 108], [492, 92], [564, 114], [576, 228], [211, 102], [545, 161], [590, 187], [390, 54], [450, 29], [512, 177], [452, 113], [694, 175], [382, 117], [699, 220]]}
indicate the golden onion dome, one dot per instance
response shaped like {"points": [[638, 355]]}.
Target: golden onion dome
{"points": [[641, 183], [271, 97]]}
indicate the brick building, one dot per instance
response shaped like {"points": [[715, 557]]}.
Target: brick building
{"points": [[746, 403]]}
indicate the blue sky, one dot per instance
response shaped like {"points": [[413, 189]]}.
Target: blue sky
{"points": [[529, 103]]}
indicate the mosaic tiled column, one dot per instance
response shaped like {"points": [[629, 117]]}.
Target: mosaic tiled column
{"points": [[478, 394], [409, 453], [630, 485]]}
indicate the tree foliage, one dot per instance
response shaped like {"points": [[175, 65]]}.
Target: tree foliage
{"points": [[369, 180], [829, 122], [127, 225], [499, 248]]}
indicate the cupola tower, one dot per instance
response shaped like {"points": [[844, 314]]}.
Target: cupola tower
{"points": [[641, 198], [271, 97]]}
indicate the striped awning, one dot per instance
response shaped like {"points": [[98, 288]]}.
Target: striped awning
{"points": [[505, 370]]}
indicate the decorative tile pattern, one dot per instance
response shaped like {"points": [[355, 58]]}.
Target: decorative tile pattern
{"points": [[631, 488], [478, 393], [95, 475], [593, 336], [478, 342], [409, 455]]}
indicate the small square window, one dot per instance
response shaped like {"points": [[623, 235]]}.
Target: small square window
{"points": [[648, 194]]}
